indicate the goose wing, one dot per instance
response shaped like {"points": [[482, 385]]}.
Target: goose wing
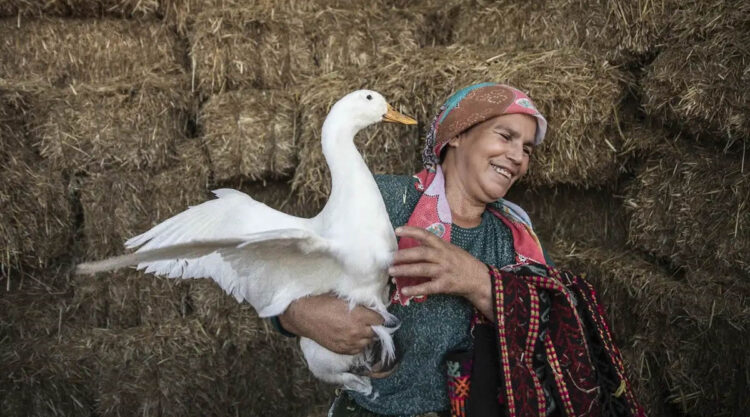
{"points": [[267, 269], [254, 252]]}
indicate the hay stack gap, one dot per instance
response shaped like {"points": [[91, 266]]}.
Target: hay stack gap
{"points": [[250, 133], [121, 204], [686, 343], [71, 51], [689, 205], [579, 100], [80, 8], [119, 127]]}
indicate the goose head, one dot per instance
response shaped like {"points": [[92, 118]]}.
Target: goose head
{"points": [[361, 108]]}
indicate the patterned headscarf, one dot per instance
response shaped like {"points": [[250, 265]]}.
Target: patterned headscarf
{"points": [[473, 105]]}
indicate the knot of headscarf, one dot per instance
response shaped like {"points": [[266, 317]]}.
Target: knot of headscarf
{"points": [[473, 105]]}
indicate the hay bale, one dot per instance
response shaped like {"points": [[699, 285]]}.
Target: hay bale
{"points": [[579, 101], [175, 368], [71, 51], [36, 214], [36, 225], [250, 133], [248, 47], [688, 206], [698, 81], [619, 31], [126, 299], [702, 88], [120, 127], [79, 8], [676, 331], [144, 200], [237, 47]]}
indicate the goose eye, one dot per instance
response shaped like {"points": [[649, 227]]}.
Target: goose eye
{"points": [[369, 96]]}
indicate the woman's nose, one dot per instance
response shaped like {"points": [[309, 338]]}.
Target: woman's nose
{"points": [[515, 154]]}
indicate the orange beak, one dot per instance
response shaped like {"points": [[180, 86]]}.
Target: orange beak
{"points": [[392, 116]]}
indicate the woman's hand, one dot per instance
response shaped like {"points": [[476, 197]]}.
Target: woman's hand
{"points": [[328, 321], [451, 269]]}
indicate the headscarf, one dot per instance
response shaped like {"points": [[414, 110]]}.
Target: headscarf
{"points": [[475, 104]]}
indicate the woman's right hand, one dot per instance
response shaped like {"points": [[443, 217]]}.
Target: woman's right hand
{"points": [[327, 320]]}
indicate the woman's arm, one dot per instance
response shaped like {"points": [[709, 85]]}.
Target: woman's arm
{"points": [[451, 269], [327, 320]]}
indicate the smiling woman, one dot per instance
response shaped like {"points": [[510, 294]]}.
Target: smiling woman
{"points": [[456, 230]]}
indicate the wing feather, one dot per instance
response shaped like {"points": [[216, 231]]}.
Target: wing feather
{"points": [[268, 269], [232, 214]]}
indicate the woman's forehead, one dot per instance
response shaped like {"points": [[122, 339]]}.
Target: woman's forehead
{"points": [[519, 124]]}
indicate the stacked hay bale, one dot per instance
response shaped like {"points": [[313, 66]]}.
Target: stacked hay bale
{"points": [[698, 82], [689, 206], [115, 114], [100, 141]]}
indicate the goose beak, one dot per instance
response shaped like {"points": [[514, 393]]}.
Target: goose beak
{"points": [[393, 116]]}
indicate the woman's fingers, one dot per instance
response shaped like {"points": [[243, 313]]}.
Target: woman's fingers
{"points": [[423, 269], [426, 288], [415, 254]]}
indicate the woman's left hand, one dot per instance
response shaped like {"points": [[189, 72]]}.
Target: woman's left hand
{"points": [[451, 270]]}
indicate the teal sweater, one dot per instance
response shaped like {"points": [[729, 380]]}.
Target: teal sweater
{"points": [[431, 329]]}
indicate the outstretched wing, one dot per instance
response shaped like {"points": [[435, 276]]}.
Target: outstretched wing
{"points": [[267, 269], [232, 214]]}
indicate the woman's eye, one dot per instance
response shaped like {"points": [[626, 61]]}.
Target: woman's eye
{"points": [[527, 150]]}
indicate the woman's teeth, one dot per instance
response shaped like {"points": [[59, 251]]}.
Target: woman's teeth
{"points": [[502, 171]]}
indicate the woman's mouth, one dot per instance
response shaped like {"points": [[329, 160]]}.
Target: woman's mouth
{"points": [[502, 171]]}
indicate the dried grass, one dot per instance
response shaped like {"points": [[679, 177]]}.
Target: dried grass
{"points": [[240, 46], [117, 127], [689, 206], [35, 211], [144, 200], [175, 368], [71, 51], [79, 8], [702, 88], [250, 133], [578, 100], [676, 334], [556, 213], [620, 31]]}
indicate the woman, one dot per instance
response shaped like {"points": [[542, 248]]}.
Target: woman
{"points": [[454, 231]]}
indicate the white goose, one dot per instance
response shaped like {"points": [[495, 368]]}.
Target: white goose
{"points": [[269, 258]]}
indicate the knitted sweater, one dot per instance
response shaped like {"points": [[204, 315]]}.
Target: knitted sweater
{"points": [[440, 324]]}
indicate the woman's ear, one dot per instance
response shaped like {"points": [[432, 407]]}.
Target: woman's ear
{"points": [[453, 142]]}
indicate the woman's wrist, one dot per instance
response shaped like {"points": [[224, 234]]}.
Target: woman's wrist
{"points": [[480, 293], [286, 319]]}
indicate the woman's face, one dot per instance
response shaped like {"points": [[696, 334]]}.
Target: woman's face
{"points": [[489, 157]]}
